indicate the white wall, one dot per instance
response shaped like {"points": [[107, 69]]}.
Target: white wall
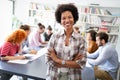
{"points": [[5, 18], [111, 3], [22, 10]]}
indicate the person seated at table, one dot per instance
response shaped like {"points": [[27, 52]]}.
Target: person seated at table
{"points": [[35, 40], [76, 29], [25, 45], [48, 34], [91, 41], [10, 47], [104, 59]]}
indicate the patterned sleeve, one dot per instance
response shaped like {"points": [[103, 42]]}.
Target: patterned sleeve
{"points": [[50, 46], [82, 50]]}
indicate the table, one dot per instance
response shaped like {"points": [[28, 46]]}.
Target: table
{"points": [[88, 73], [35, 69]]}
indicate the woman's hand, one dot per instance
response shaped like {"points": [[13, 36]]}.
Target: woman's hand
{"points": [[33, 52], [78, 56], [20, 57], [13, 57], [52, 55]]}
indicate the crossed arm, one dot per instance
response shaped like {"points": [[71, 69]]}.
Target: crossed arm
{"points": [[68, 63]]}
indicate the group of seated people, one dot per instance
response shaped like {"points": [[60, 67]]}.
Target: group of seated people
{"points": [[100, 54], [22, 41]]}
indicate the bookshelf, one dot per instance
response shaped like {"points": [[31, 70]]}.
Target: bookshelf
{"points": [[44, 13], [101, 18], [41, 13]]}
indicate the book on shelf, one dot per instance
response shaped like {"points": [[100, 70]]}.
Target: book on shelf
{"points": [[116, 21], [114, 29], [93, 28], [110, 37], [93, 19], [101, 18], [107, 12], [113, 38], [103, 29], [83, 18], [33, 5], [32, 13]]}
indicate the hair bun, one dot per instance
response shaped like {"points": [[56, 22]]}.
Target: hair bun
{"points": [[39, 24]]}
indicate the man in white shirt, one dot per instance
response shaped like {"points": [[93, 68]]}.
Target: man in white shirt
{"points": [[105, 59]]}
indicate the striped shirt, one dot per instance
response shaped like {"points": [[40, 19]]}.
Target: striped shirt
{"points": [[8, 49], [77, 46]]}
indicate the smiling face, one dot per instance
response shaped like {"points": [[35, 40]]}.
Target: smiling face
{"points": [[67, 20]]}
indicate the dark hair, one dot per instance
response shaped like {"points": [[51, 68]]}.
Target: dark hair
{"points": [[49, 28], [41, 26], [77, 28], [25, 27], [92, 34], [66, 7], [103, 35]]}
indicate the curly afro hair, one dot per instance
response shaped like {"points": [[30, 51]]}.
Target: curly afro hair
{"points": [[66, 7]]}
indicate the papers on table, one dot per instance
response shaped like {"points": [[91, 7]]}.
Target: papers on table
{"points": [[42, 51], [30, 57], [18, 61]]}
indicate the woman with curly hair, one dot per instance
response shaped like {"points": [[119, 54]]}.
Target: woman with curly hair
{"points": [[10, 47], [66, 49]]}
